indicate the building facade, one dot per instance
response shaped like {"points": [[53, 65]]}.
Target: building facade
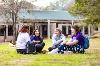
{"points": [[45, 21]]}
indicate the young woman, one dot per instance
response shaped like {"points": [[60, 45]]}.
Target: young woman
{"points": [[37, 41], [76, 39], [58, 39], [22, 39]]}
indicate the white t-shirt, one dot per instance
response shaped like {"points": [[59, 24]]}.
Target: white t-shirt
{"points": [[22, 40]]}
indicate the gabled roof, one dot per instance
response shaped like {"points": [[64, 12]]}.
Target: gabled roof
{"points": [[45, 15]]}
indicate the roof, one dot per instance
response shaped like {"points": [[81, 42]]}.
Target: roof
{"points": [[45, 15]]}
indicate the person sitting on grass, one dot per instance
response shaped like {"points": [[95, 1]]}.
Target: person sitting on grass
{"points": [[58, 39], [76, 39], [37, 40], [22, 39]]}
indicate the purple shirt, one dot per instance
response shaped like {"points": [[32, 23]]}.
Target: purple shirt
{"points": [[36, 38], [78, 37]]}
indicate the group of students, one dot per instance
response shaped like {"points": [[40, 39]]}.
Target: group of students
{"points": [[34, 43]]}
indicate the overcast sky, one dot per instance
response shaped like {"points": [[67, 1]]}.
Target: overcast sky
{"points": [[42, 3]]}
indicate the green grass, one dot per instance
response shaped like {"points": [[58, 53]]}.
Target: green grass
{"points": [[9, 57]]}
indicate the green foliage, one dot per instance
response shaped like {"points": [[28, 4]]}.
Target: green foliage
{"points": [[90, 9]]}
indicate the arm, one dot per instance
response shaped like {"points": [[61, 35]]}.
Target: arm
{"points": [[60, 41], [40, 40], [55, 42], [63, 39], [75, 40], [27, 38], [72, 42], [36, 41]]}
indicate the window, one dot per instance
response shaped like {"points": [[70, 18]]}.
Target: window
{"points": [[86, 30], [64, 30], [69, 30], [10, 30], [2, 30]]}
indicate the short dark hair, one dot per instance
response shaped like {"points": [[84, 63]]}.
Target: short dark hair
{"points": [[76, 27]]}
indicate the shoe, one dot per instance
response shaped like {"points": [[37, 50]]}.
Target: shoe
{"points": [[54, 51]]}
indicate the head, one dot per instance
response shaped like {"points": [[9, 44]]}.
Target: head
{"points": [[24, 29], [36, 32], [57, 31], [75, 29]]}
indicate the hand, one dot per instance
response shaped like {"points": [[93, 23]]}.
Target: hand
{"points": [[67, 43], [36, 41]]}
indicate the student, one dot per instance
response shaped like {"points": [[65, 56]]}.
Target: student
{"points": [[37, 41], [58, 39], [76, 39], [22, 39]]}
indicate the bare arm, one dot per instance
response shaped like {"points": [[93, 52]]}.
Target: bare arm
{"points": [[72, 43]]}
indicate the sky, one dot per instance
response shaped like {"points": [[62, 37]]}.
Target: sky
{"points": [[42, 3]]}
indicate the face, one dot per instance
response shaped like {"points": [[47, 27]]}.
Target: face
{"points": [[37, 33], [73, 31], [57, 32]]}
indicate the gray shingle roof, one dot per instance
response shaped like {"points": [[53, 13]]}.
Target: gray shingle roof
{"points": [[48, 15]]}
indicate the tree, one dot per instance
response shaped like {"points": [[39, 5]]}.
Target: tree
{"points": [[90, 9], [11, 8]]}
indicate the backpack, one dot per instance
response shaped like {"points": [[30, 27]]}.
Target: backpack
{"points": [[30, 48], [86, 42]]}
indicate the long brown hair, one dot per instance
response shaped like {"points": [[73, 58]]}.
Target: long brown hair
{"points": [[77, 28], [35, 31], [24, 28]]}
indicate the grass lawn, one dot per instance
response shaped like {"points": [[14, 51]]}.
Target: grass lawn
{"points": [[9, 57]]}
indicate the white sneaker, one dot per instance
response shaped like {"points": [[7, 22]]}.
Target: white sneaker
{"points": [[68, 52], [54, 51]]}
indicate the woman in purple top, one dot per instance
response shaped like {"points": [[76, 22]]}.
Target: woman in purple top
{"points": [[77, 37], [37, 40]]}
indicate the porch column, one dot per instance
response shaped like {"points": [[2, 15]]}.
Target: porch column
{"points": [[83, 30], [67, 29], [48, 29], [72, 22], [89, 30]]}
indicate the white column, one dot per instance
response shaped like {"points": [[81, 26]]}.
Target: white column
{"points": [[83, 30], [72, 22], [67, 29], [89, 30], [41, 30], [49, 29]]}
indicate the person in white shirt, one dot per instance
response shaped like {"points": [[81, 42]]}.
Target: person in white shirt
{"points": [[22, 39], [57, 39]]}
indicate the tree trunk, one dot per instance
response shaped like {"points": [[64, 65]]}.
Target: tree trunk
{"points": [[14, 27]]}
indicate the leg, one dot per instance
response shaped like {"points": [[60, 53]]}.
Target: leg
{"points": [[50, 48], [39, 47], [31, 48], [21, 51], [43, 44]]}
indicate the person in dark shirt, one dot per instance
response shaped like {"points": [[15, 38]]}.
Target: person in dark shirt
{"points": [[37, 40]]}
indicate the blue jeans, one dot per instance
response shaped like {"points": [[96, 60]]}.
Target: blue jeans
{"points": [[73, 48]]}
